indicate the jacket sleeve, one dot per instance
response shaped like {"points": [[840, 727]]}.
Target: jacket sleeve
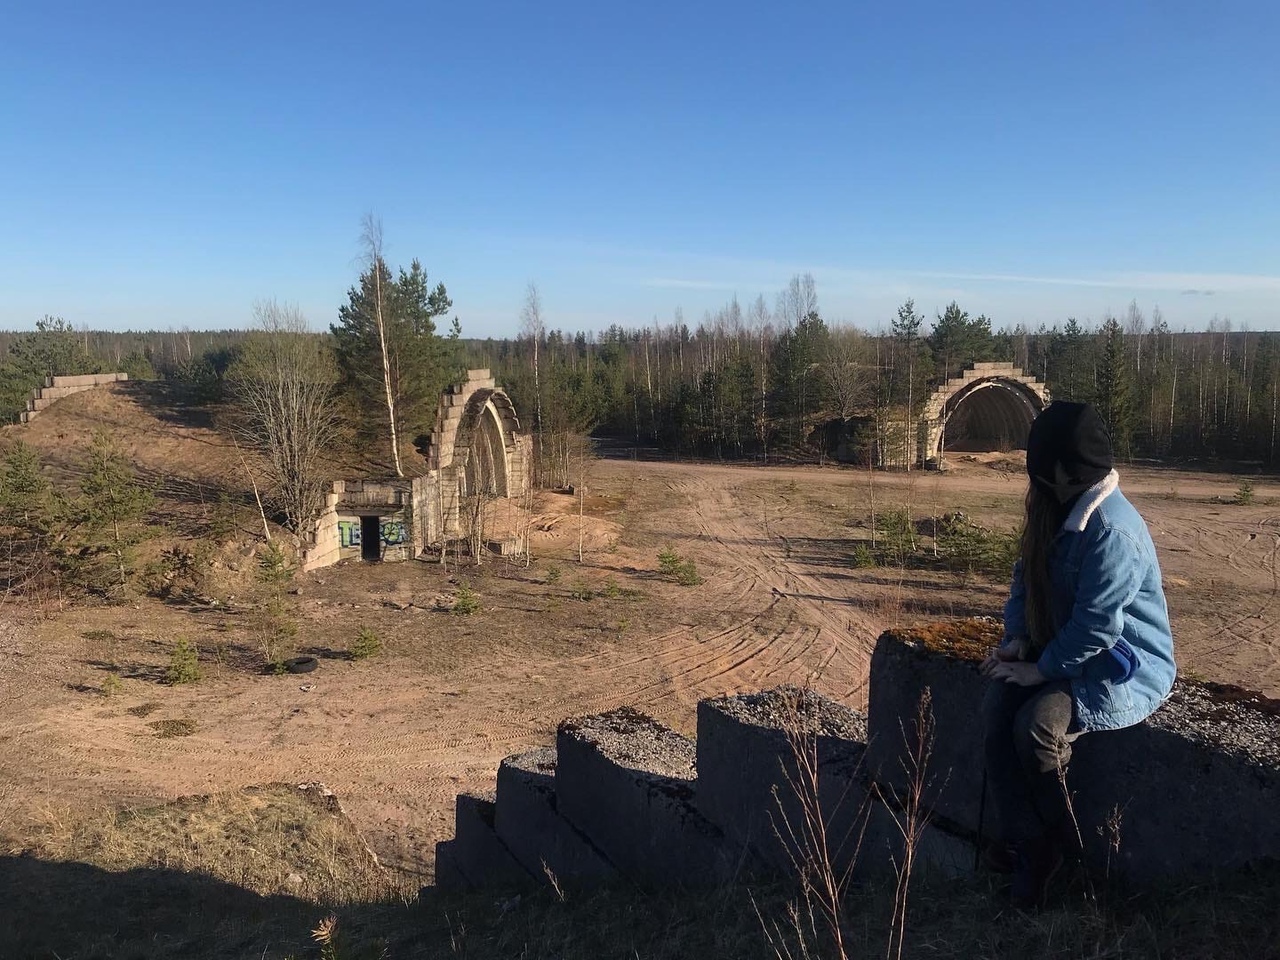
{"points": [[1015, 608], [1110, 577]]}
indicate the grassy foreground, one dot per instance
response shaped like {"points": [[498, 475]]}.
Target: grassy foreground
{"points": [[253, 873]]}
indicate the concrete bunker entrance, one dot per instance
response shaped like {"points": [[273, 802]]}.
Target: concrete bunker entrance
{"points": [[992, 417], [988, 408], [370, 538]]}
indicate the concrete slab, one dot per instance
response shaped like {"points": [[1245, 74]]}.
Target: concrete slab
{"points": [[750, 782], [527, 821], [480, 856], [448, 875], [1193, 789], [627, 782], [901, 670]]}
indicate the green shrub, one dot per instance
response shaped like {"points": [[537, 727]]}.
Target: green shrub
{"points": [[111, 685], [965, 546], [611, 589], [669, 561], [582, 591], [273, 566], [682, 571], [467, 602], [687, 574], [1244, 493], [366, 644], [553, 574], [184, 663], [863, 557]]}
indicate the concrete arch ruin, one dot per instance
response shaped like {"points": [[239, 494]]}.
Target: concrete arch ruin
{"points": [[988, 407], [476, 449]]}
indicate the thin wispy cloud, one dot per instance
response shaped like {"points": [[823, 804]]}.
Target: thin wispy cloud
{"points": [[672, 283], [1204, 284], [1197, 293]]}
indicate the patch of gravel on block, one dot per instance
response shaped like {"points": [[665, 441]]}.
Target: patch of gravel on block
{"points": [[782, 707], [1235, 721], [631, 739], [542, 760]]}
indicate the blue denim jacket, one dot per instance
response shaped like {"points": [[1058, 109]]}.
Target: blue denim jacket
{"points": [[1115, 644]]}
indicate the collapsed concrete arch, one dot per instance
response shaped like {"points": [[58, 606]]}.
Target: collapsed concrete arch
{"points": [[988, 407], [477, 448]]}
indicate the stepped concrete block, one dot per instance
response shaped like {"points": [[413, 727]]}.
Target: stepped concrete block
{"points": [[902, 668], [480, 856], [448, 876], [57, 393], [627, 782], [527, 821], [1192, 789], [750, 779]]}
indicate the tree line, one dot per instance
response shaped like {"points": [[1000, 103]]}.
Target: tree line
{"points": [[766, 381]]}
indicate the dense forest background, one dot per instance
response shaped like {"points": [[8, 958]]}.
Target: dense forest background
{"points": [[758, 381]]}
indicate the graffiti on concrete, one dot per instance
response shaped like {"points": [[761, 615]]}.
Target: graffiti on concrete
{"points": [[392, 532]]}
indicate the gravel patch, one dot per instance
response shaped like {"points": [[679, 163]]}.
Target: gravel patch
{"points": [[632, 739], [1233, 720], [781, 708]]}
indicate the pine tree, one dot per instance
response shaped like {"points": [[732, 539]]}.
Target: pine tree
{"points": [[113, 505], [419, 362], [1113, 399]]}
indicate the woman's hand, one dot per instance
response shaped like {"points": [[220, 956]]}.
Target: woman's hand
{"points": [[1015, 649], [1017, 672]]}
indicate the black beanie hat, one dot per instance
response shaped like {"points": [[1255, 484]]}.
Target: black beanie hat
{"points": [[1069, 450]]}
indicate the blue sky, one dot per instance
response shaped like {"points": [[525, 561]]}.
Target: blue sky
{"points": [[167, 164]]}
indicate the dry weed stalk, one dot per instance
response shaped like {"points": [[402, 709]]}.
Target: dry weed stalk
{"points": [[910, 815], [817, 859]]}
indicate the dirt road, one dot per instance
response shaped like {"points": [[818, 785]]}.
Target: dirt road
{"points": [[398, 736]]}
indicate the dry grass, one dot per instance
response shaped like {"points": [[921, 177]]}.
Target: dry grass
{"points": [[234, 874]]}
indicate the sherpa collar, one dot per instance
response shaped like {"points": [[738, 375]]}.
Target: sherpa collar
{"points": [[1089, 501]]}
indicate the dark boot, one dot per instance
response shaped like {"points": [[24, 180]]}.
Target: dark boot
{"points": [[1037, 863]]}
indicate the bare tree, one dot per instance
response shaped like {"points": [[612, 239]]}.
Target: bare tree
{"points": [[843, 371], [533, 327], [371, 241], [283, 387]]}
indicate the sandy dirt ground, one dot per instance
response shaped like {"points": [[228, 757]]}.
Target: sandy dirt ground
{"points": [[398, 735]]}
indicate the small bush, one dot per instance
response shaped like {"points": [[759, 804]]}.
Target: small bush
{"points": [[111, 685], [611, 589], [582, 591], [682, 571], [863, 557], [967, 547], [669, 561], [687, 574], [184, 663], [1244, 493], [273, 566], [466, 603], [366, 644], [553, 574]]}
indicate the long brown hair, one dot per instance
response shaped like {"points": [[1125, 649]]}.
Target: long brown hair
{"points": [[1043, 519]]}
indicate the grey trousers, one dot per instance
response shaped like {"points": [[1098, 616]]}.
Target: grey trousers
{"points": [[1029, 732]]}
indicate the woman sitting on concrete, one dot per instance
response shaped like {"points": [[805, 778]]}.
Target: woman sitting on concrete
{"points": [[1087, 641]]}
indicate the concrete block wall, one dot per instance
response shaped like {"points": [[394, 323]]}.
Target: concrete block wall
{"points": [[621, 797], [56, 388]]}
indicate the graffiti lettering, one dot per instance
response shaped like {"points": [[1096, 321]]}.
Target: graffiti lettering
{"points": [[391, 532]]}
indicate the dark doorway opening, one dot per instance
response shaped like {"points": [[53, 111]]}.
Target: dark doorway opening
{"points": [[370, 538]]}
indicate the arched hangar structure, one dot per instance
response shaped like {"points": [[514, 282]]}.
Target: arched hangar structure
{"points": [[988, 407], [476, 449]]}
